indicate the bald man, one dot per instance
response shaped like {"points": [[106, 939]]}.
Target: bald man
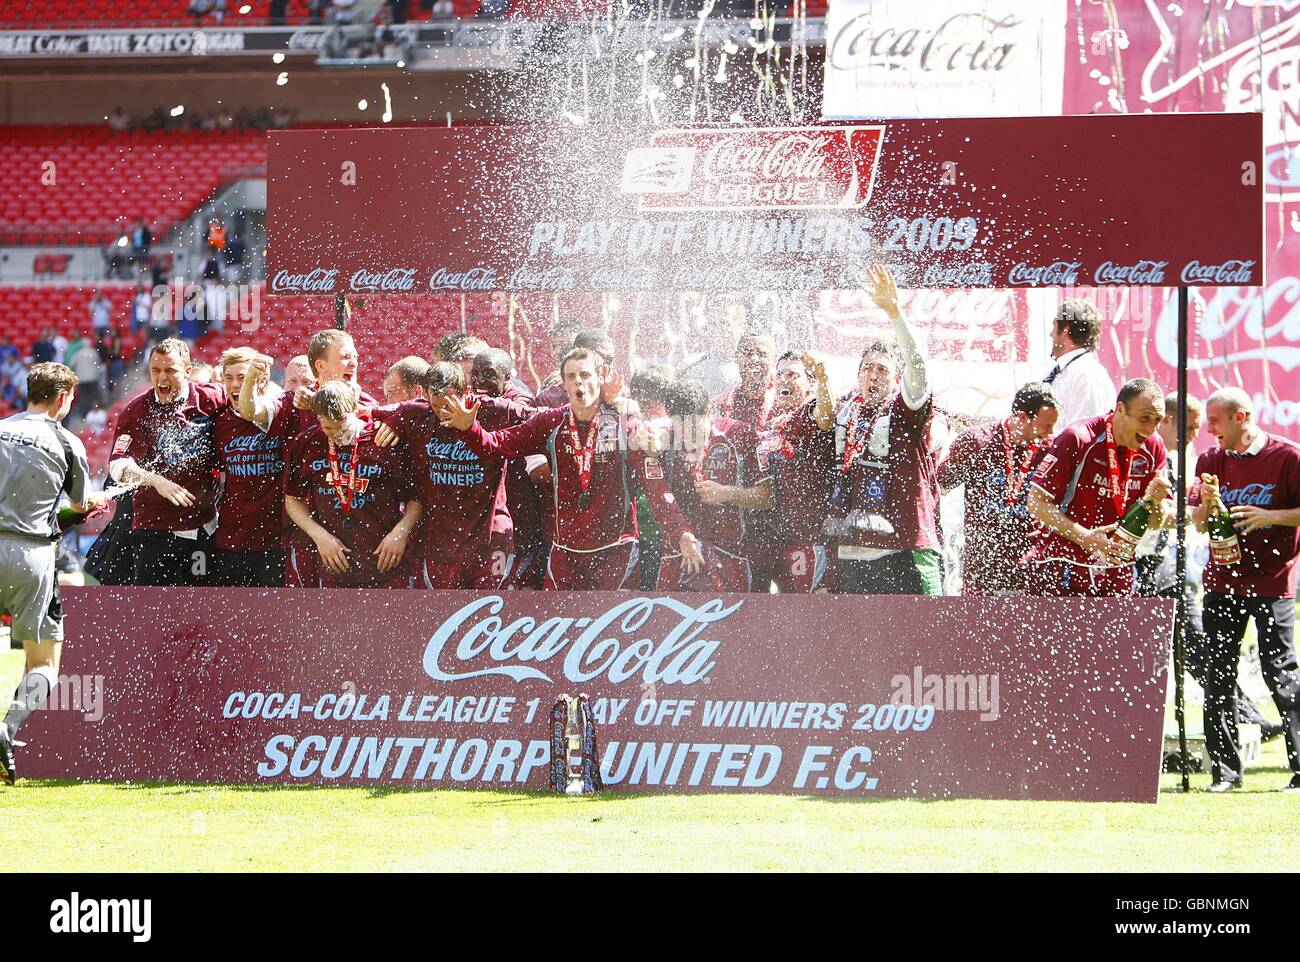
{"points": [[1256, 477]]}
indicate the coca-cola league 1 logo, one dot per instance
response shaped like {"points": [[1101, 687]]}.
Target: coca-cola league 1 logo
{"points": [[759, 169], [394, 280], [318, 281], [620, 644]]}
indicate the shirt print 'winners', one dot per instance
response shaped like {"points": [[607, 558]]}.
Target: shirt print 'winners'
{"points": [[252, 504]]}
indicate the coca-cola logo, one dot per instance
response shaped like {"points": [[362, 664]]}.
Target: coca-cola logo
{"points": [[474, 279], [306, 40], [1228, 274], [1143, 272], [1257, 494], [1239, 324], [794, 157], [395, 279], [625, 642], [319, 281], [965, 275], [967, 42], [1055, 274]]}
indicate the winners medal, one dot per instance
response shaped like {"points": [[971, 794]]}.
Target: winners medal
{"points": [[585, 455], [345, 494]]}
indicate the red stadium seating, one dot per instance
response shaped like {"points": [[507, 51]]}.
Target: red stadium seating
{"points": [[102, 177], [27, 311], [137, 12]]}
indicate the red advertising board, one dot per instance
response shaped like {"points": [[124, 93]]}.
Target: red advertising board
{"points": [[854, 696], [960, 203], [1134, 56]]}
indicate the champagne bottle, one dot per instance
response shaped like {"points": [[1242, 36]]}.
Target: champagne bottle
{"points": [[69, 518], [1225, 549], [1131, 528]]}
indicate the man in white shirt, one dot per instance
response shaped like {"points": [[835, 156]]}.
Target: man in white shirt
{"points": [[1078, 380]]}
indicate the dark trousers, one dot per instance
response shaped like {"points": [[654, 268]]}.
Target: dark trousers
{"points": [[250, 569], [900, 573], [1225, 625], [1196, 653], [164, 560]]}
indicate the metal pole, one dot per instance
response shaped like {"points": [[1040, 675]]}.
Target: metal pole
{"points": [[1180, 552], [341, 311]]}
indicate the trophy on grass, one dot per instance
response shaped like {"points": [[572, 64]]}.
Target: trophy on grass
{"points": [[575, 760]]}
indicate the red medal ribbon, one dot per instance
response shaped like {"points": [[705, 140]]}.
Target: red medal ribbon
{"points": [[584, 454], [336, 476], [1015, 478], [855, 437], [1118, 491]]}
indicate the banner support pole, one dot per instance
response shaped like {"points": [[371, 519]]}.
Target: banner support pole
{"points": [[1180, 550]]}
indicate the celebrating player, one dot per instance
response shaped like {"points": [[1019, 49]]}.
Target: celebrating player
{"points": [[993, 461], [885, 496], [354, 499], [164, 444], [593, 471], [751, 401], [1085, 483], [467, 529], [711, 472], [404, 380]]}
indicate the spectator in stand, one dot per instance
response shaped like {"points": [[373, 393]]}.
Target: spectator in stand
{"points": [[203, 8], [43, 349], [118, 120], [163, 443], [100, 313], [225, 119], [141, 307], [993, 462], [1078, 380], [141, 242], [97, 418], [8, 349], [216, 234], [89, 370], [277, 12], [60, 348], [113, 353], [234, 259]]}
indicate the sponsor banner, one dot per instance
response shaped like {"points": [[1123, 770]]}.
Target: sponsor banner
{"points": [[1136, 57], [943, 58], [964, 203], [855, 696], [161, 42]]}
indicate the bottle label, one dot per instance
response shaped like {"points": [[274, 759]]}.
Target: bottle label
{"points": [[1225, 551], [1126, 541]]}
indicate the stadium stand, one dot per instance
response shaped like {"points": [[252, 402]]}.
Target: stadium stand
{"points": [[102, 177]]}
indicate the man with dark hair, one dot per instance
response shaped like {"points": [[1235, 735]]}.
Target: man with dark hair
{"points": [[461, 348], [712, 479], [594, 474], [354, 499], [649, 387], [1092, 473], [163, 443], [468, 537], [521, 533], [1256, 478], [801, 461], [404, 380], [885, 499], [600, 344], [39, 462], [751, 401], [1081, 384], [993, 462]]}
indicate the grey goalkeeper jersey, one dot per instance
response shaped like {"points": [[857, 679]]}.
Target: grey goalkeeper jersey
{"points": [[32, 468]]}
